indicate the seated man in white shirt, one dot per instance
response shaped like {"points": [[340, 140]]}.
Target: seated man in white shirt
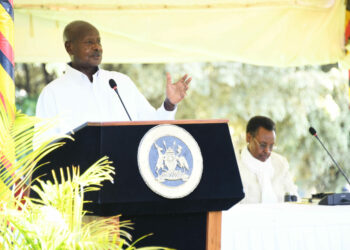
{"points": [[265, 174], [83, 93]]}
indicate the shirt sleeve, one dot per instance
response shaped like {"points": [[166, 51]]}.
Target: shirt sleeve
{"points": [[289, 185], [163, 114], [45, 107]]}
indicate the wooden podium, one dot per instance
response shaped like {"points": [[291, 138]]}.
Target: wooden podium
{"points": [[191, 222]]}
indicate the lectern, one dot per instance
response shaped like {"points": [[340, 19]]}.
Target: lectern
{"points": [[190, 222]]}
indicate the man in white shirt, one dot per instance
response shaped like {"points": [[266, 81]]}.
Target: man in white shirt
{"points": [[265, 174], [83, 93]]}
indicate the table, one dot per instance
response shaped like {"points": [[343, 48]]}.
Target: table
{"points": [[286, 226]]}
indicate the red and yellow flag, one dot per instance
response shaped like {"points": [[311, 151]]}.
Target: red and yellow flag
{"points": [[7, 86]]}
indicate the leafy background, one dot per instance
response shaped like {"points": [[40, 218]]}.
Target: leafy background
{"points": [[295, 98]]}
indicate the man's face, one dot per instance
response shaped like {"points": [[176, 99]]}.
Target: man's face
{"points": [[261, 145], [86, 49]]}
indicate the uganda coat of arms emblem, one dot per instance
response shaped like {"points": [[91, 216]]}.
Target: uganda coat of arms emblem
{"points": [[170, 161]]}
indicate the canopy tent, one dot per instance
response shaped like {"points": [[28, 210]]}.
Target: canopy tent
{"points": [[264, 32]]}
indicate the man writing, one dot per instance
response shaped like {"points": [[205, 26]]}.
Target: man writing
{"points": [[265, 174], [83, 93]]}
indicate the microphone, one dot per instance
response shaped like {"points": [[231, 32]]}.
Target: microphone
{"points": [[314, 133], [113, 85]]}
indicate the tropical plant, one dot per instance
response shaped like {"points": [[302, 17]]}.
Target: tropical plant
{"points": [[17, 161], [54, 220], [17, 157]]}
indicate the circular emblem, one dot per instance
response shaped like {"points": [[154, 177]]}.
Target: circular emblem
{"points": [[170, 161]]}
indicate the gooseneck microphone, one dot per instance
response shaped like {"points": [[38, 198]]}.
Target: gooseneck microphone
{"points": [[113, 85], [314, 133]]}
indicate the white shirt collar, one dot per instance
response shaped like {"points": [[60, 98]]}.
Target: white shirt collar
{"points": [[254, 164], [264, 173], [78, 74]]}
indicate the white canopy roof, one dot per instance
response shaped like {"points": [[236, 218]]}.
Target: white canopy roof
{"points": [[265, 32]]}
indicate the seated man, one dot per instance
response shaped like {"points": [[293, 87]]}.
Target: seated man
{"points": [[264, 173]]}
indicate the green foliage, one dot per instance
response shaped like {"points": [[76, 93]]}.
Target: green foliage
{"points": [[55, 220], [26, 104], [17, 157], [29, 80]]}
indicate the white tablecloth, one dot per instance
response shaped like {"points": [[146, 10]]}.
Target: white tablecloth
{"points": [[286, 227]]}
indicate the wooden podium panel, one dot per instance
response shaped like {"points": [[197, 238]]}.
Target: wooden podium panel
{"points": [[213, 241]]}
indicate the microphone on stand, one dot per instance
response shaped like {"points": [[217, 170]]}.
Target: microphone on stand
{"points": [[314, 133], [113, 85], [333, 199]]}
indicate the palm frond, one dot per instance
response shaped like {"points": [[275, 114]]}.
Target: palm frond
{"points": [[67, 198], [17, 155], [57, 221]]}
